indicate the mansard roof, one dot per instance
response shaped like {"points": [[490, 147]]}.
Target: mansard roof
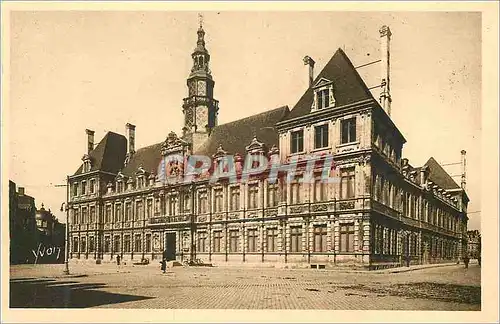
{"points": [[439, 176], [148, 157], [349, 87], [109, 154], [237, 135]]}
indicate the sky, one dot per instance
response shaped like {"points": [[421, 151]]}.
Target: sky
{"points": [[72, 70]]}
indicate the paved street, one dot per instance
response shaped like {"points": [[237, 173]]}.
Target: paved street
{"points": [[110, 286]]}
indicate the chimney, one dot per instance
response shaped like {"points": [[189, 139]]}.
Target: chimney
{"points": [[385, 84], [424, 176], [309, 61], [130, 139], [20, 191], [463, 182], [90, 140]]}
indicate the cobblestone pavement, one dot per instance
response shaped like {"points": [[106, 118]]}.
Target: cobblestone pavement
{"points": [[110, 286]]}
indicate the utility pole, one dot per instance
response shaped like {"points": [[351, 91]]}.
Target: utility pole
{"points": [[65, 207]]}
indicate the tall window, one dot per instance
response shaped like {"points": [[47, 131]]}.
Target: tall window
{"points": [[75, 189], [91, 244], [107, 244], [320, 238], [137, 243], [126, 243], [323, 97], [252, 240], [75, 244], [234, 240], [296, 239], [148, 242], [202, 199], [84, 215], [319, 193], [253, 196], [272, 195], [219, 200], [149, 208], [217, 240], [347, 183], [83, 245], [347, 238], [118, 213], [128, 211], [187, 203], [138, 210], [84, 187], [348, 130], [92, 186], [296, 188], [76, 216], [202, 241], [297, 139], [321, 136], [92, 214], [173, 205], [108, 214], [116, 244], [272, 240], [234, 193]]}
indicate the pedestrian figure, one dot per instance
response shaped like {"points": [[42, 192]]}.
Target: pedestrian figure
{"points": [[479, 260], [466, 261], [163, 265], [118, 260]]}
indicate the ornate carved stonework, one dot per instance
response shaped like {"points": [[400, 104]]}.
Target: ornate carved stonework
{"points": [[272, 212], [234, 216], [172, 144], [296, 209], [202, 219], [343, 205], [318, 208], [218, 216], [255, 146], [252, 215]]}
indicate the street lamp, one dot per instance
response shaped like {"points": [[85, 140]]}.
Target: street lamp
{"points": [[65, 207]]}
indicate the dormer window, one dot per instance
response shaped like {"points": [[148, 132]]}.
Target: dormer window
{"points": [[87, 163], [323, 98], [323, 95]]}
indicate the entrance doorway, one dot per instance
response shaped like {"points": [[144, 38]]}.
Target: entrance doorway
{"points": [[170, 246]]}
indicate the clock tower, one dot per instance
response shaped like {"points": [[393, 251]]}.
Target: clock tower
{"points": [[200, 108]]}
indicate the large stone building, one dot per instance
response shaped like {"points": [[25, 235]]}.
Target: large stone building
{"points": [[382, 211]]}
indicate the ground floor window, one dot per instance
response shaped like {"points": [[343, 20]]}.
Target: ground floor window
{"points": [[272, 240], [83, 245], [137, 243], [91, 244], [234, 240], [75, 244], [320, 238], [126, 243], [116, 244], [107, 244], [252, 240], [217, 240], [296, 239], [347, 238], [148, 242], [202, 241]]}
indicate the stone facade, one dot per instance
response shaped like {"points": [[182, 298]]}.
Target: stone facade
{"points": [[382, 212]]}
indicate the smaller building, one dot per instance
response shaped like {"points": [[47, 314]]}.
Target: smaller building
{"points": [[22, 227], [51, 236], [474, 244]]}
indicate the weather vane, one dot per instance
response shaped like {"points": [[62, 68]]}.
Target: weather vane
{"points": [[200, 17]]}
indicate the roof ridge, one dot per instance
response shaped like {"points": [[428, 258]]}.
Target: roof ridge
{"points": [[255, 115]]}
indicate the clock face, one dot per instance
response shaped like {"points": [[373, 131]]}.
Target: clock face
{"points": [[202, 89]]}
